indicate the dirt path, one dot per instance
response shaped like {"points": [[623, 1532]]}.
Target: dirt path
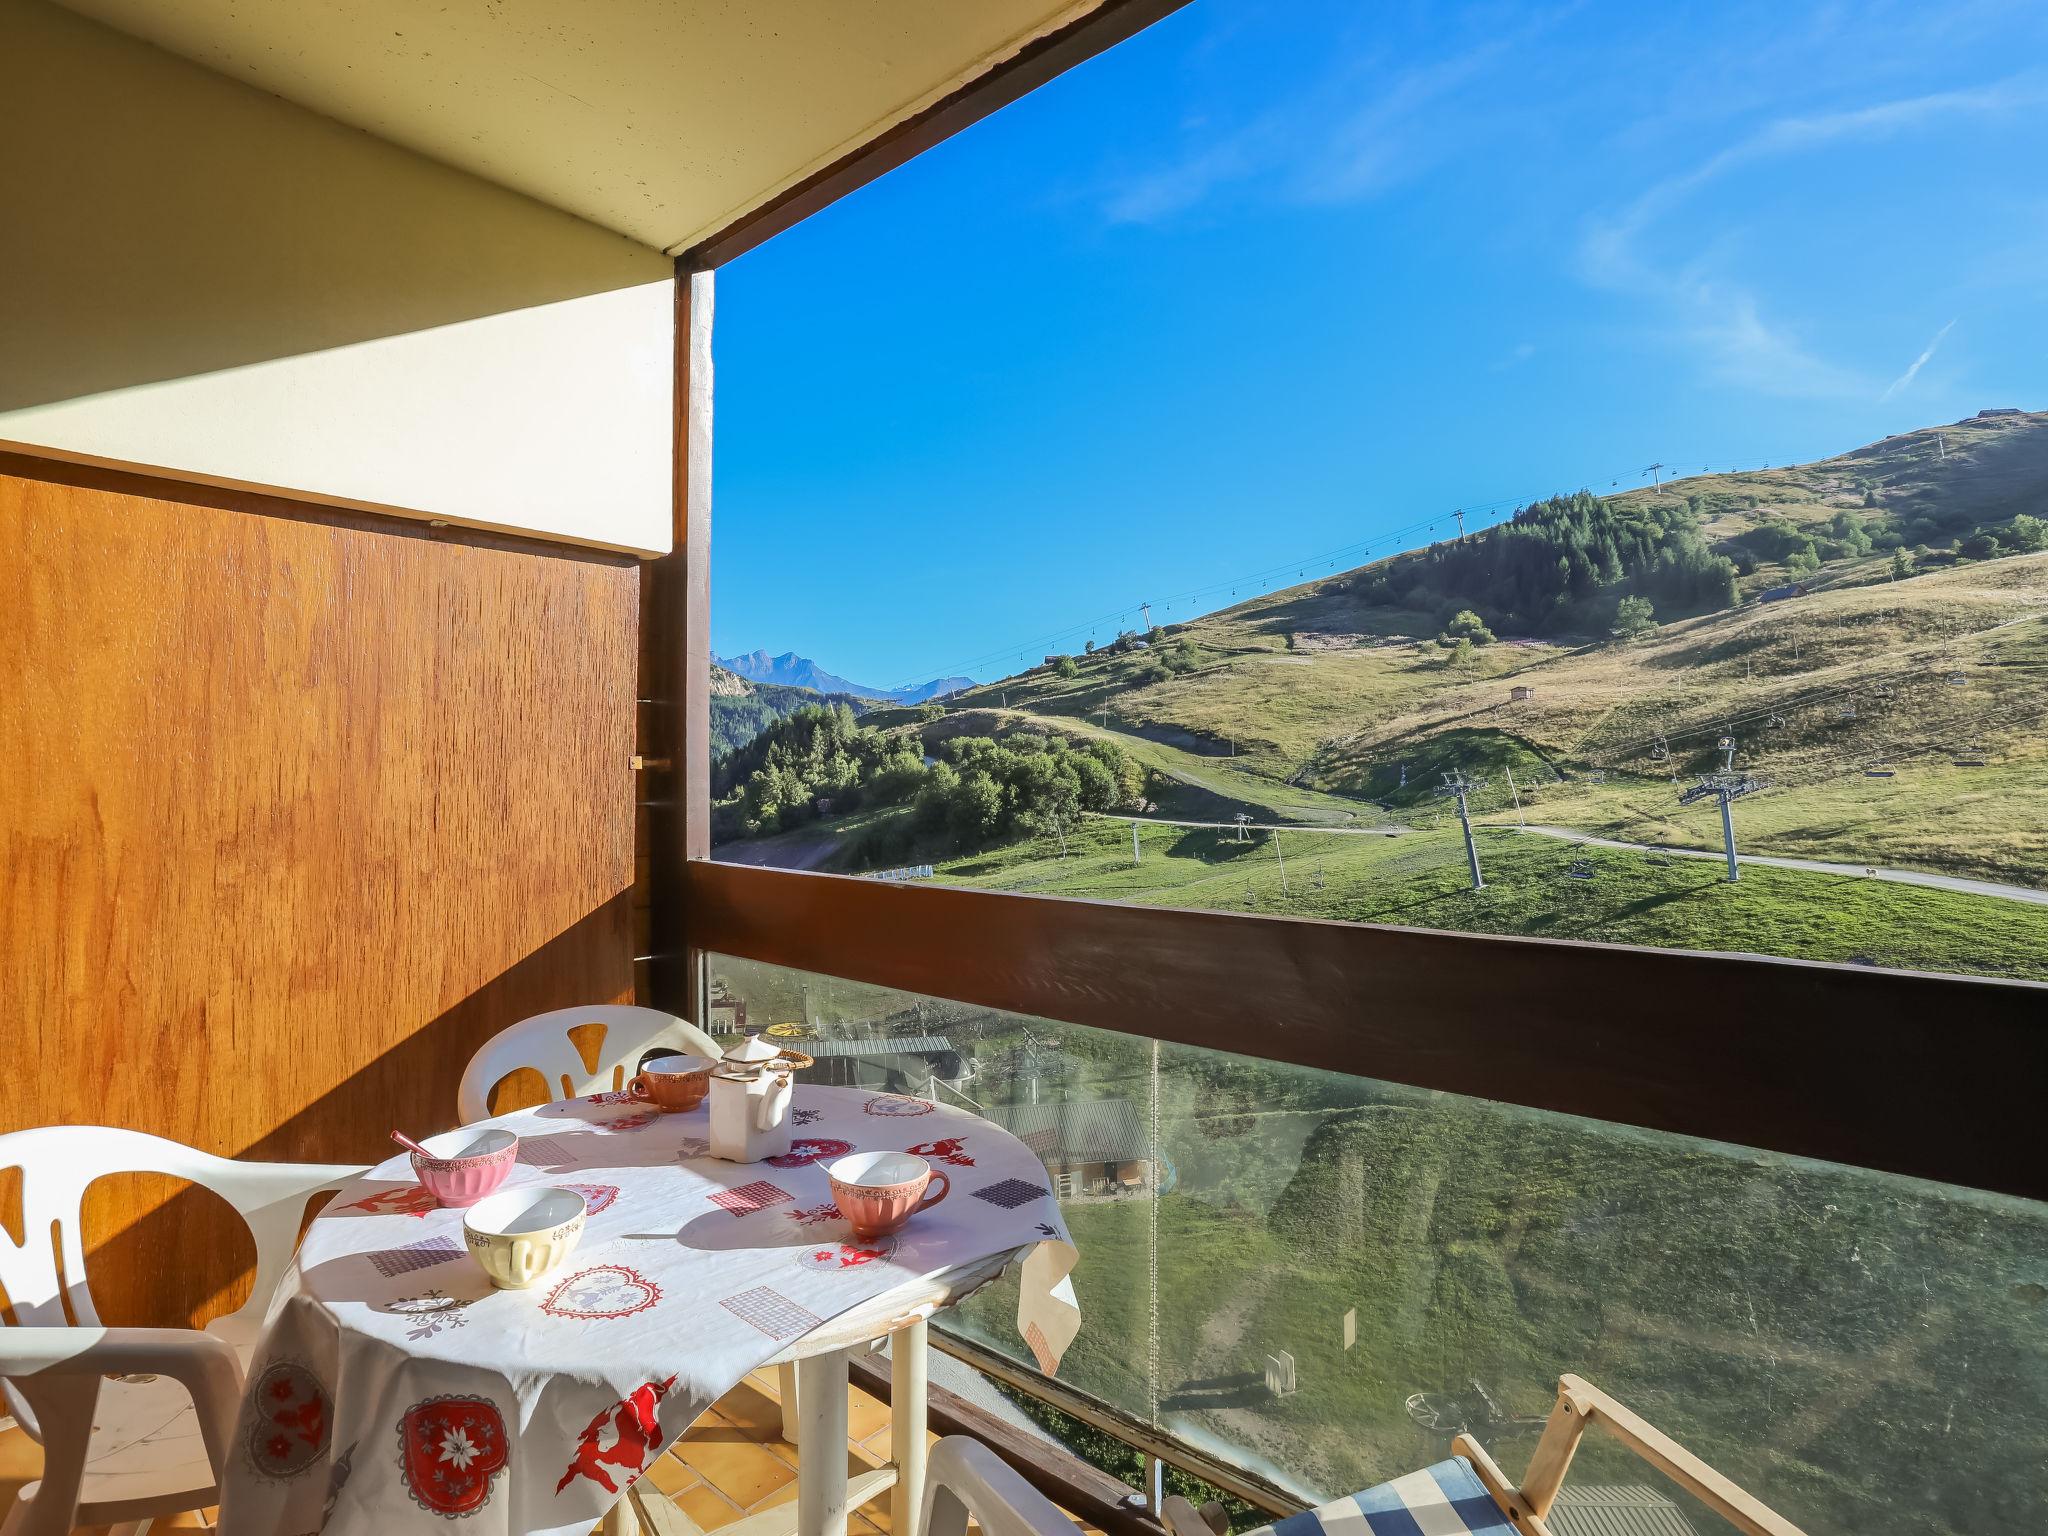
{"points": [[2024, 893]]}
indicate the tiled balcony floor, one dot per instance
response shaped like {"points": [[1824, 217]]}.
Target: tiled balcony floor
{"points": [[732, 1461]]}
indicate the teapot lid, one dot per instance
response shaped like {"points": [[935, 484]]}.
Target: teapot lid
{"points": [[752, 1051]]}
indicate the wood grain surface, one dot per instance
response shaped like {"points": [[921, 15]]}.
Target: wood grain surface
{"points": [[297, 808]]}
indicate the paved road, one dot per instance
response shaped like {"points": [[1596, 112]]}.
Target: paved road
{"points": [[2024, 893]]}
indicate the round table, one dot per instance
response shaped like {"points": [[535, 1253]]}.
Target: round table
{"points": [[394, 1383]]}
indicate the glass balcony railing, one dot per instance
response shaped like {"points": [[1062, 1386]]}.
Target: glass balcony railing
{"points": [[1322, 1279]]}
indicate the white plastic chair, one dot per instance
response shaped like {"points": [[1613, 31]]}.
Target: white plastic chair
{"points": [[965, 1478], [542, 1043], [151, 1441]]}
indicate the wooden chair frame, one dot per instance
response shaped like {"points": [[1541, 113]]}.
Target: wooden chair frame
{"points": [[1579, 1405]]}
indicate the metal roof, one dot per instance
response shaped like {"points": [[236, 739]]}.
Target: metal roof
{"points": [[1077, 1131], [894, 1045], [1625, 1509]]}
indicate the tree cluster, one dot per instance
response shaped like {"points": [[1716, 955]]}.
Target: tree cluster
{"points": [[988, 790], [1562, 564], [979, 790]]}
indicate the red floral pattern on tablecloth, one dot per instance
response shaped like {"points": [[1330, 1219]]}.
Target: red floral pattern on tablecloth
{"points": [[402, 1200], [289, 1420], [601, 1293], [947, 1150], [811, 1149], [449, 1450], [624, 1439], [837, 1257], [811, 1215]]}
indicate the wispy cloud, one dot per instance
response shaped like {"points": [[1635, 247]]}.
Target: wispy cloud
{"points": [[1610, 246], [1520, 354], [1722, 320], [1914, 367], [1355, 133]]}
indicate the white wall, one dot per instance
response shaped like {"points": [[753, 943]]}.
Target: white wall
{"points": [[199, 278]]}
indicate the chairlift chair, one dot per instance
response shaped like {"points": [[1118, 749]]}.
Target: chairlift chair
{"points": [[1970, 757], [1957, 680]]}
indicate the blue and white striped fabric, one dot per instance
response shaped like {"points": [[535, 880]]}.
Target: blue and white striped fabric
{"points": [[1444, 1500]]}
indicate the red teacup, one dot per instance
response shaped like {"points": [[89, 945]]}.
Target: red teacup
{"points": [[674, 1083], [877, 1192]]}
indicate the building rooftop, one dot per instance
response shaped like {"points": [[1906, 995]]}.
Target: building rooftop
{"points": [[1079, 1131]]}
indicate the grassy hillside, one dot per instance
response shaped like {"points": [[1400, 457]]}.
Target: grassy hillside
{"points": [[1896, 709], [1536, 885]]}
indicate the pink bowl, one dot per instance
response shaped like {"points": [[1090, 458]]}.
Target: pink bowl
{"points": [[466, 1165]]}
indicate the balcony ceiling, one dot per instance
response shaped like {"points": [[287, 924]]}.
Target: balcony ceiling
{"points": [[664, 120]]}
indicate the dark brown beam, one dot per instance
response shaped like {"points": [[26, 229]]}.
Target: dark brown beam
{"points": [[675, 672], [1084, 1491], [996, 87], [1936, 1077]]}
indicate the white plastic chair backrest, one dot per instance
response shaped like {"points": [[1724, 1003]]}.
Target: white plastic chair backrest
{"points": [[542, 1043], [59, 1162], [965, 1478]]}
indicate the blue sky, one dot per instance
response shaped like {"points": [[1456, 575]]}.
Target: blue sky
{"points": [[1273, 280]]}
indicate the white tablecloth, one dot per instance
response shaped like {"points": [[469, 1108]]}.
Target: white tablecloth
{"points": [[394, 1387]]}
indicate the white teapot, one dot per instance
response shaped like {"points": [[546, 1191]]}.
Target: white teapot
{"points": [[750, 1094]]}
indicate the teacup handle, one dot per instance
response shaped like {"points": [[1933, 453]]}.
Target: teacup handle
{"points": [[933, 1197], [638, 1087]]}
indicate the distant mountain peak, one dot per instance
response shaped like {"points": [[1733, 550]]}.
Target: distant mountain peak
{"points": [[793, 671]]}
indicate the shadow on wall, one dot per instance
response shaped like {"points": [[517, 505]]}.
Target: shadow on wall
{"points": [[188, 1260], [164, 221]]}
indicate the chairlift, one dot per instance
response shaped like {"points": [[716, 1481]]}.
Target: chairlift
{"points": [[1970, 757], [1849, 711], [1582, 869], [1957, 680], [1776, 722], [1660, 752], [1880, 770]]}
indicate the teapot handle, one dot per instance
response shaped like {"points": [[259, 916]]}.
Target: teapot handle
{"points": [[771, 1102]]}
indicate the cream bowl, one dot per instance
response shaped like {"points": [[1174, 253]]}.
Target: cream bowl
{"points": [[519, 1235]]}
